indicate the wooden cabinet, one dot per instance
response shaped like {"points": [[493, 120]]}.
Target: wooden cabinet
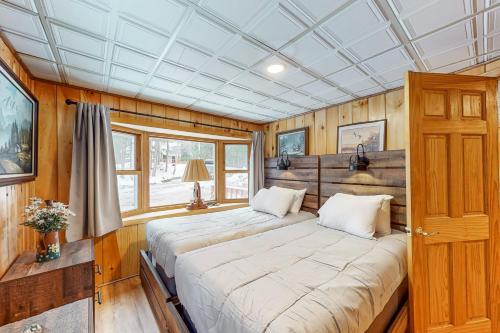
{"points": [[30, 288]]}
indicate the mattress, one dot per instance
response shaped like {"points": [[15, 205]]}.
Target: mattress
{"points": [[171, 237], [300, 278]]}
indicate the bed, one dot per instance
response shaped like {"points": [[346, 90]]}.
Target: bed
{"points": [[169, 238], [303, 277], [330, 176]]}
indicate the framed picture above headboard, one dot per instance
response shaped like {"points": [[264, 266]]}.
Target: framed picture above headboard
{"points": [[370, 134], [294, 142], [18, 129]]}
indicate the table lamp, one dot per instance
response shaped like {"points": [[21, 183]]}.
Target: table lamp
{"points": [[196, 171]]}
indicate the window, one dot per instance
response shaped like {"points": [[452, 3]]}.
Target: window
{"points": [[127, 169], [167, 160], [235, 171]]}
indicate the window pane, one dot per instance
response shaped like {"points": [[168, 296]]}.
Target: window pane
{"points": [[236, 185], [167, 160], [124, 146], [128, 192], [236, 157]]}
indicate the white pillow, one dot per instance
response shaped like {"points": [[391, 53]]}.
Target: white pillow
{"points": [[272, 202], [298, 197], [356, 215], [383, 226]]}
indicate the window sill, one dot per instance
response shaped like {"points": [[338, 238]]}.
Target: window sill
{"points": [[146, 217]]}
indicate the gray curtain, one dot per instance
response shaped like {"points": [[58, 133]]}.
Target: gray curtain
{"points": [[256, 181], [93, 188]]}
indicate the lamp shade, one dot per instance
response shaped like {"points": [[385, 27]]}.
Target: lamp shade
{"points": [[195, 171]]}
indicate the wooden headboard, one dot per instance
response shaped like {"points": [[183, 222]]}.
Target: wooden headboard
{"points": [[385, 175], [303, 173]]}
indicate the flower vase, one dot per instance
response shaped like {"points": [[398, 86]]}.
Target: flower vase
{"points": [[48, 246]]}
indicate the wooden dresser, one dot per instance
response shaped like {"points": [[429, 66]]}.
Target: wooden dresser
{"points": [[30, 289]]}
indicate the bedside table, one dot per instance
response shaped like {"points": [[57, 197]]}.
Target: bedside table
{"points": [[30, 288]]}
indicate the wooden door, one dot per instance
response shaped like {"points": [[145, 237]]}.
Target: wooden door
{"points": [[452, 172]]}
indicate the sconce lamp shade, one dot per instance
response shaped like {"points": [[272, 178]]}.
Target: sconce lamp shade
{"points": [[195, 171]]}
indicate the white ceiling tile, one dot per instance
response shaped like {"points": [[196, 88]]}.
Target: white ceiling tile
{"points": [[358, 86], [445, 39], [389, 60], [41, 69], [316, 87], [307, 49], [84, 79], [355, 21], [275, 104], [395, 84], [217, 98], [294, 77], [221, 69], [127, 57], [79, 42], [251, 80], [28, 4], [347, 76], [292, 96], [237, 13], [205, 34], [276, 27], [123, 88], [449, 57], [164, 15], [78, 14], [30, 46], [20, 21], [318, 9], [373, 44], [166, 98], [424, 16], [80, 61], [397, 73], [165, 85], [209, 107], [193, 92], [139, 37], [174, 72], [241, 105], [329, 95], [127, 74], [342, 99], [330, 64], [244, 53], [187, 56], [245, 116], [235, 91], [206, 82]]}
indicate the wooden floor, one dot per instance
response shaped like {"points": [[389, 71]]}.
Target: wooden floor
{"points": [[124, 308]]}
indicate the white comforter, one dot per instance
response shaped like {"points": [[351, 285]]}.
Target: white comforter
{"points": [[301, 278], [169, 238]]}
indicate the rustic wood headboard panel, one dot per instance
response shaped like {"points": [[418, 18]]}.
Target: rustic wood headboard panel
{"points": [[303, 173], [385, 175]]}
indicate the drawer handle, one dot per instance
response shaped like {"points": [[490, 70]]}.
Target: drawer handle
{"points": [[98, 269], [99, 296]]}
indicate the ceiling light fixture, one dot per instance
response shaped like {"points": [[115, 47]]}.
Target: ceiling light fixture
{"points": [[276, 68]]}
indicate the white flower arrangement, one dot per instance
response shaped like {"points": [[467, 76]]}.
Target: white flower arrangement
{"points": [[46, 218]]}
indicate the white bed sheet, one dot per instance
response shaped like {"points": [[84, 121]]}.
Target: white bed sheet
{"points": [[171, 237], [300, 278]]}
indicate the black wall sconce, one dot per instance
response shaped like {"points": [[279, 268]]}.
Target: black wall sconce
{"points": [[357, 162], [283, 163]]}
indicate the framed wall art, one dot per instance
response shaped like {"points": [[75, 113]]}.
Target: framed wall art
{"points": [[18, 130], [294, 142], [371, 134]]}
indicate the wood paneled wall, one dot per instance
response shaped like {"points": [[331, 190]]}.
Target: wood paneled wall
{"points": [[323, 123]]}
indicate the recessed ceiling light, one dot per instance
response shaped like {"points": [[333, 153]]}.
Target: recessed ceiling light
{"points": [[276, 68]]}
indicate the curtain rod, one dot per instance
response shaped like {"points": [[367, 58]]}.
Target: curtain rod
{"points": [[71, 102]]}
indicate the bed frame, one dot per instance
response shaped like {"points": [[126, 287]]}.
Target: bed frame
{"points": [[323, 176]]}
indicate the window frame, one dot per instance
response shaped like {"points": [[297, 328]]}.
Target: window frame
{"points": [[223, 171], [149, 135], [138, 171]]}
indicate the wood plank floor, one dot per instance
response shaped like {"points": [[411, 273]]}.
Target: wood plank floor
{"points": [[124, 308]]}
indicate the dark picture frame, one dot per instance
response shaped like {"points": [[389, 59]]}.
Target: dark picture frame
{"points": [[20, 151], [364, 135], [292, 134]]}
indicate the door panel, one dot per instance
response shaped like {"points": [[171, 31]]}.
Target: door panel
{"points": [[453, 148]]}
